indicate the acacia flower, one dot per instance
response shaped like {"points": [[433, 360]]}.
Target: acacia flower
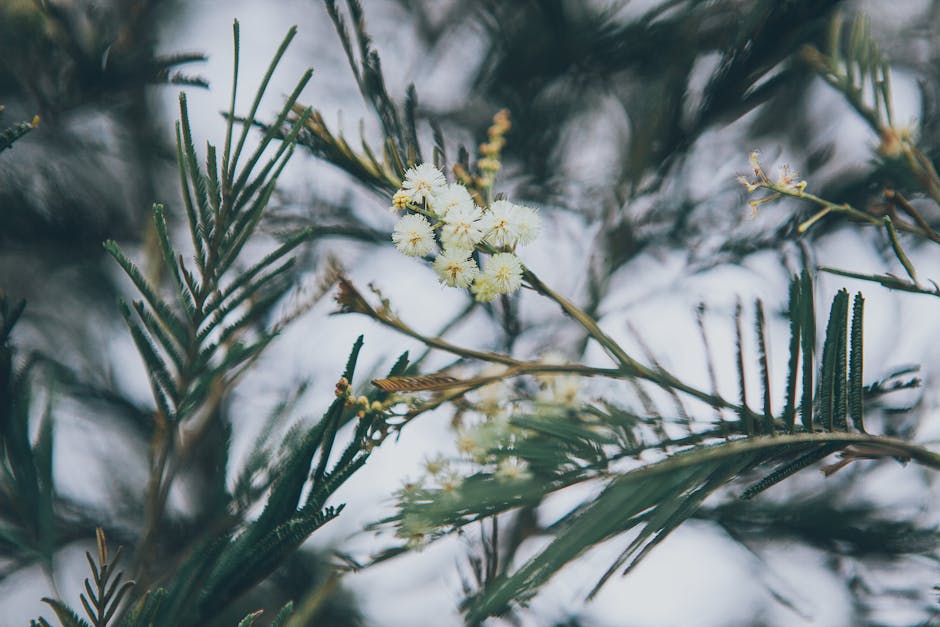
{"points": [[423, 182], [484, 289], [454, 195], [499, 224], [504, 271], [400, 200], [508, 224], [413, 235], [462, 227], [455, 268], [528, 224], [512, 469]]}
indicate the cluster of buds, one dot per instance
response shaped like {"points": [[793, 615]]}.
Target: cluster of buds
{"points": [[366, 408], [489, 163]]}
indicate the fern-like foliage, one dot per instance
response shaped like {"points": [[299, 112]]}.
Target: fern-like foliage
{"points": [[854, 65], [195, 348], [279, 621], [822, 415], [104, 592], [223, 566], [103, 596]]}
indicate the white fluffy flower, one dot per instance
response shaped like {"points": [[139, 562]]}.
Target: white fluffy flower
{"points": [[484, 289], [413, 235], [455, 268], [462, 227], [508, 224], [504, 271], [527, 223], [499, 225], [454, 195], [423, 182], [513, 469]]}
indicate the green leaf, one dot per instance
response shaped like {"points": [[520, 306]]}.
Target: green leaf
{"points": [[213, 187], [816, 453], [156, 330], [249, 620], [199, 243], [257, 560], [246, 126], [66, 615], [832, 377], [281, 619], [272, 131], [164, 312], [159, 374], [655, 498], [230, 119], [856, 391], [759, 324], [793, 361], [744, 413], [247, 277], [269, 281], [331, 482], [808, 348], [205, 221], [170, 260]]}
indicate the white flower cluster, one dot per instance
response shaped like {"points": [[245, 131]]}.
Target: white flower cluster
{"points": [[447, 214]]}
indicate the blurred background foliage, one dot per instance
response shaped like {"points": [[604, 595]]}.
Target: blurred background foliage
{"points": [[630, 116]]}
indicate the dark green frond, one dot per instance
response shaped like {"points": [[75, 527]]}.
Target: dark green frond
{"points": [[807, 328], [744, 413], [66, 615], [249, 620], [282, 616], [163, 310], [793, 360], [655, 499], [831, 394], [759, 326], [246, 126], [856, 357]]}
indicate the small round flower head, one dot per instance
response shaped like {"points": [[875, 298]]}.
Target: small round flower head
{"points": [[508, 224], [484, 289], [423, 182], [400, 200], [527, 223], [513, 469], [462, 227], [504, 270], [413, 236], [455, 268], [455, 195], [499, 224]]}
